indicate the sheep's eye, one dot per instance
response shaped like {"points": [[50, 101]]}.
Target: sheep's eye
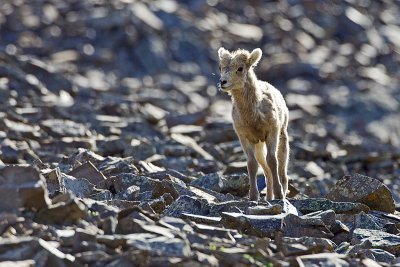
{"points": [[240, 69], [219, 68]]}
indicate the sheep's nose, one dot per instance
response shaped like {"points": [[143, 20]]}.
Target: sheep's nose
{"points": [[223, 82]]}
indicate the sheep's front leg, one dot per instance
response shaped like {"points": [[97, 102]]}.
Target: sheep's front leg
{"points": [[252, 167], [272, 160], [283, 155], [260, 155]]}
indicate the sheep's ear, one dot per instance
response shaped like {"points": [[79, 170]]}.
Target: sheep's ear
{"points": [[255, 56], [222, 52]]}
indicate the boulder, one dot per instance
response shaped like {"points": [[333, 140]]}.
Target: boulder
{"points": [[363, 189]]}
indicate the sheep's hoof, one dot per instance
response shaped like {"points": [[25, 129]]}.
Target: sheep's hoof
{"points": [[254, 196], [279, 194]]}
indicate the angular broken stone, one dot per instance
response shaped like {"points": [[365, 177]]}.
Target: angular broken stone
{"points": [[81, 187], [89, 172], [71, 210], [22, 187], [187, 204], [235, 184], [53, 180], [379, 240], [287, 206], [363, 189], [260, 225], [131, 193], [123, 181]]}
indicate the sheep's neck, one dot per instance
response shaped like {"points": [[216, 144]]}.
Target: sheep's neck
{"points": [[246, 98]]}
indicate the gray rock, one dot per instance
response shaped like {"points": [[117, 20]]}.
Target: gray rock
{"points": [[231, 206], [187, 204], [64, 128], [89, 172], [53, 180], [69, 211], [50, 254], [265, 210], [92, 256], [286, 205], [22, 187], [381, 255], [367, 221], [295, 226], [112, 166], [44, 252], [19, 248], [363, 189], [140, 150], [323, 259], [312, 242], [163, 246], [81, 187], [259, 225], [378, 239], [315, 204], [202, 219], [156, 60], [186, 119], [121, 182], [131, 193], [235, 184]]}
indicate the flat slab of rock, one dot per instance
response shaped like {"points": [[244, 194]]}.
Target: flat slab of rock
{"points": [[202, 219], [363, 189], [378, 239], [81, 187], [316, 204], [323, 259], [259, 225], [267, 225], [265, 210]]}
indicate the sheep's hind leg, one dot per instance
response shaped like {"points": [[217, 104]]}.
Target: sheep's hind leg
{"points": [[260, 154]]}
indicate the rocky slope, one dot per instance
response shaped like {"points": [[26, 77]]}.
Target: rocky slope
{"points": [[117, 149]]}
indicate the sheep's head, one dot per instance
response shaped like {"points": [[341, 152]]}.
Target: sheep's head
{"points": [[234, 67]]}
